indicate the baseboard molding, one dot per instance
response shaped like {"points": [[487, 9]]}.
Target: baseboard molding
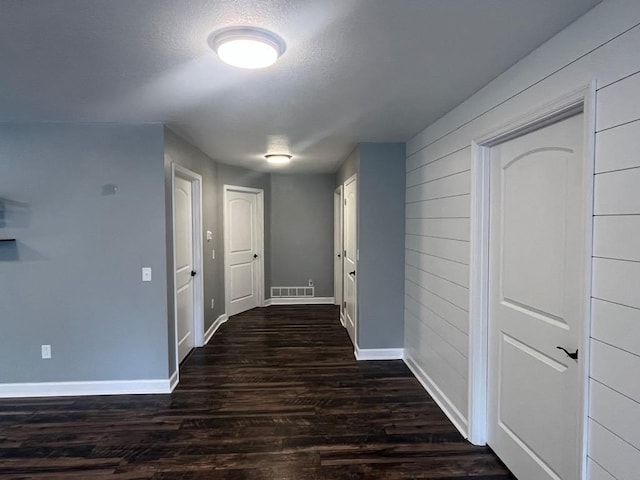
{"points": [[214, 327], [173, 381], [446, 405], [342, 321], [378, 353], [78, 389], [299, 301]]}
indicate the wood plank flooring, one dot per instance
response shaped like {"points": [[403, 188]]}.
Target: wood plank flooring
{"points": [[276, 394]]}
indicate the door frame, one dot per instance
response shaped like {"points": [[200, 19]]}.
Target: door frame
{"points": [[338, 234], [198, 280], [582, 101], [260, 283], [351, 179]]}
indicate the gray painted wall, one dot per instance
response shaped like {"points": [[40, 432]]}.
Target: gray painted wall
{"points": [[73, 279], [302, 231], [349, 167], [179, 151], [381, 223]]}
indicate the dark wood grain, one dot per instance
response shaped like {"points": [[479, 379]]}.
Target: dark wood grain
{"points": [[276, 394]]}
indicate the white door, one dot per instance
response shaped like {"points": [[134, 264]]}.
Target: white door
{"points": [[337, 249], [243, 250], [184, 264], [536, 301], [350, 255]]}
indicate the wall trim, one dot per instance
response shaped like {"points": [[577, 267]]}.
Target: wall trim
{"points": [[378, 353], [173, 380], [214, 327], [342, 320], [299, 301], [445, 404], [77, 389]]}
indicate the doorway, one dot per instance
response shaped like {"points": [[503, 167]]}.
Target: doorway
{"points": [[337, 249], [532, 185], [187, 260], [243, 247], [350, 258]]}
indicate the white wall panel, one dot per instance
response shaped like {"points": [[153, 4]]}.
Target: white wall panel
{"points": [[453, 271], [602, 46], [457, 184], [617, 193], [455, 250], [616, 368], [617, 281], [617, 325], [618, 148], [617, 236], [616, 412], [596, 472], [619, 103], [452, 228], [614, 454], [451, 292], [449, 207]]}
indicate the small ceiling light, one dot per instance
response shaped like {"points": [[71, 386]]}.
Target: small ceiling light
{"points": [[278, 159], [247, 47]]}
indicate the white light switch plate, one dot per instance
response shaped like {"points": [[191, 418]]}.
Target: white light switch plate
{"points": [[46, 351], [146, 274]]}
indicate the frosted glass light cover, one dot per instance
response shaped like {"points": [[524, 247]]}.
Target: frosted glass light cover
{"points": [[247, 47]]}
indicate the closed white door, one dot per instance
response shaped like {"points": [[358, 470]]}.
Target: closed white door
{"points": [[350, 256], [184, 264], [337, 249], [536, 301], [242, 253]]}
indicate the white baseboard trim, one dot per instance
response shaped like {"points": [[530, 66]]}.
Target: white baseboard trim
{"points": [[299, 301], [214, 327], [342, 321], [78, 389], [378, 353], [173, 381], [446, 405]]}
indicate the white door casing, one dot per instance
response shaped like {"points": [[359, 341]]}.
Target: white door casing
{"points": [[243, 239], [187, 260], [535, 301], [337, 249], [350, 257]]}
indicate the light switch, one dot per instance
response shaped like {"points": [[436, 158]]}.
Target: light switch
{"points": [[213, 254], [146, 274], [209, 235]]}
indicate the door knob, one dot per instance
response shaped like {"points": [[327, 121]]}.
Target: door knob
{"points": [[255, 255], [338, 255], [573, 356], [353, 273], [193, 273]]}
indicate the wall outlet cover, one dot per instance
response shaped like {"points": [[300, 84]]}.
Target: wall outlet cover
{"points": [[46, 351]]}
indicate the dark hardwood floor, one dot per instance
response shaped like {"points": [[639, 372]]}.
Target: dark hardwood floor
{"points": [[276, 394]]}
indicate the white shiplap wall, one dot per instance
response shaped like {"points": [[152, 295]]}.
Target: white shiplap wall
{"points": [[604, 46]]}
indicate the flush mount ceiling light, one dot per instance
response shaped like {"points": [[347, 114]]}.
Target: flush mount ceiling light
{"points": [[278, 159], [247, 47]]}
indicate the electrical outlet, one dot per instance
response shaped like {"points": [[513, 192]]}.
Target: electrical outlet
{"points": [[311, 282], [46, 351], [146, 274], [212, 303]]}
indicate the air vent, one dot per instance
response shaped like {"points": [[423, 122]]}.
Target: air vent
{"points": [[292, 292]]}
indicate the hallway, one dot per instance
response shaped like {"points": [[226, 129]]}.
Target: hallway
{"points": [[276, 394]]}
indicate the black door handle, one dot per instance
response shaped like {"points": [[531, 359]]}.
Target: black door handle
{"points": [[338, 255], [353, 273], [193, 273], [255, 255], [573, 356]]}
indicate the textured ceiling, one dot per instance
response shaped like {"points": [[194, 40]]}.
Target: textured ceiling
{"points": [[354, 70]]}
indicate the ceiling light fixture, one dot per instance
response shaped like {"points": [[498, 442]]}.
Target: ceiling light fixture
{"points": [[278, 159], [247, 47]]}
